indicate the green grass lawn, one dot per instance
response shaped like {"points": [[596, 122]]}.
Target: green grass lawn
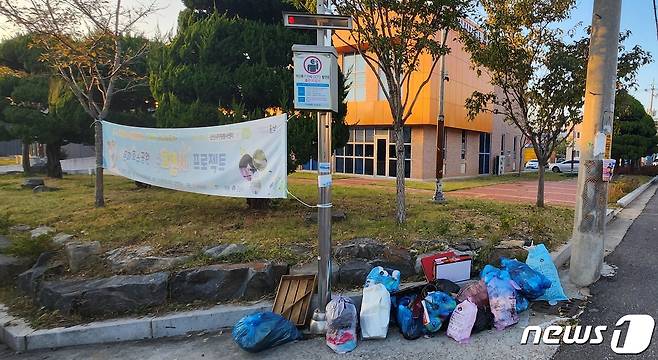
{"points": [[183, 223]]}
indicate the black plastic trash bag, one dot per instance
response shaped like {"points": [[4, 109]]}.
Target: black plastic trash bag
{"points": [[483, 321], [264, 330], [409, 316], [532, 283], [446, 286]]}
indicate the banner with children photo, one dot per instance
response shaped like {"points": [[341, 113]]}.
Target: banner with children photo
{"points": [[245, 159]]}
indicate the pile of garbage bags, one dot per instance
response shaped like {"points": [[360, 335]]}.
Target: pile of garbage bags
{"points": [[492, 301]]}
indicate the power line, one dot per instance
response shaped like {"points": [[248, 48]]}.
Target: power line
{"points": [[655, 17]]}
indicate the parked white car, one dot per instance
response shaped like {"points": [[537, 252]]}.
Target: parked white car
{"points": [[565, 166], [532, 164]]}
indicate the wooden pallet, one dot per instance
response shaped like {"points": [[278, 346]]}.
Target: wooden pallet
{"points": [[293, 298]]}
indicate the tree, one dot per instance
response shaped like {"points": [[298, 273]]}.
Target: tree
{"points": [[229, 67], [393, 37], [634, 132], [84, 41], [539, 79]]}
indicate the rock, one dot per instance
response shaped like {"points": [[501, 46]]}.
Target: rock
{"points": [[79, 254], [31, 183], [4, 243], [360, 248], [469, 245], [30, 280], [20, 228], [116, 294], [153, 263], [10, 267], [496, 253], [510, 244], [62, 239], [311, 268], [41, 230], [397, 259], [224, 251], [336, 216], [42, 188], [226, 281], [354, 272], [120, 257]]}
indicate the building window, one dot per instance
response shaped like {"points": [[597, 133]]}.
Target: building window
{"points": [[354, 68], [514, 147], [484, 158], [359, 156], [577, 134], [502, 144], [463, 152]]}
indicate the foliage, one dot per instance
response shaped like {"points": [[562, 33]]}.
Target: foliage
{"points": [[220, 70], [23, 245], [393, 37], [540, 79], [4, 223], [634, 132]]}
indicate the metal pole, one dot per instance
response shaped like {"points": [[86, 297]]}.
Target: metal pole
{"points": [[440, 130], [319, 319], [589, 226]]}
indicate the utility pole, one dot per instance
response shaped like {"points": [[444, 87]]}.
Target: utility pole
{"points": [[589, 226], [319, 319], [653, 94], [440, 130]]}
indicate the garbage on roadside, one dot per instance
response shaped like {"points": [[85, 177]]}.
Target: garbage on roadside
{"points": [[502, 296], [264, 330], [462, 321], [532, 283], [425, 309], [379, 275], [446, 265], [341, 324], [540, 260], [409, 317], [375, 312], [437, 307]]}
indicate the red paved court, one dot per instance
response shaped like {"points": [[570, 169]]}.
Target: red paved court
{"points": [[555, 192]]}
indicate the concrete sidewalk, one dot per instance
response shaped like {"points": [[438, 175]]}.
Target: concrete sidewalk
{"points": [[555, 192]]}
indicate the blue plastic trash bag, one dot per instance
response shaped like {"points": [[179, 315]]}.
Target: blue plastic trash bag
{"points": [[341, 324], [522, 303], [264, 330], [502, 296], [438, 306], [378, 275], [540, 260], [532, 283], [409, 316]]}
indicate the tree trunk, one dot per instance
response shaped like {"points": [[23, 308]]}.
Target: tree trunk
{"points": [[258, 204], [27, 169], [400, 210], [521, 162], [98, 139], [54, 167], [540, 185]]}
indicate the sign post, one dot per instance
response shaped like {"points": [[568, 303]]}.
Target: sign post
{"points": [[316, 88]]}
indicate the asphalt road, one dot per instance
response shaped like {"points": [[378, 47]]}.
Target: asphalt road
{"points": [[633, 290]]}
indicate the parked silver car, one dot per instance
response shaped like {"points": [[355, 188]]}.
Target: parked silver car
{"points": [[565, 166]]}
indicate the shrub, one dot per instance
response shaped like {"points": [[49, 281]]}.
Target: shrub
{"points": [[24, 245]]}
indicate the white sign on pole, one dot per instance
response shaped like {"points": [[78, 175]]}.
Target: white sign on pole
{"points": [[316, 77]]}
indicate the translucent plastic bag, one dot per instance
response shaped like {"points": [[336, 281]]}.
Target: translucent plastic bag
{"points": [[375, 312], [409, 317], [522, 303], [502, 296], [476, 292], [532, 283], [438, 307], [341, 324], [379, 275], [540, 260], [462, 321], [264, 330]]}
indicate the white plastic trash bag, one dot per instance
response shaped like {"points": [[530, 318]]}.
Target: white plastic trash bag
{"points": [[541, 261], [462, 321], [375, 312]]}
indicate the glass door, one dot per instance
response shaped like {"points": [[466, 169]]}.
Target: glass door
{"points": [[381, 154]]}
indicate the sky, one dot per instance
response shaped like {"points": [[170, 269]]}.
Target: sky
{"points": [[637, 16]]}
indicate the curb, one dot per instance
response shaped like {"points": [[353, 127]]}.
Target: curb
{"points": [[562, 255]]}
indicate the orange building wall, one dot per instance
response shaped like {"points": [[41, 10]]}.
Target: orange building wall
{"points": [[463, 81]]}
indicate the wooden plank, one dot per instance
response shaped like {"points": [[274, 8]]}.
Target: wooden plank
{"points": [[293, 297], [281, 295]]}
